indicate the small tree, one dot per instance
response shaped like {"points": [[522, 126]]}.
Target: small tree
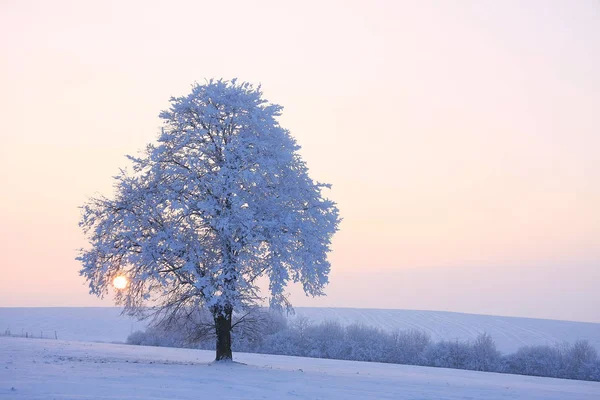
{"points": [[221, 200], [410, 346], [485, 356], [580, 361]]}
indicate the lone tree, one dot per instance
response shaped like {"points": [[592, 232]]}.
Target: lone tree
{"points": [[221, 200]]}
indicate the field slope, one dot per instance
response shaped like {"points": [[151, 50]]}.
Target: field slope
{"points": [[509, 333], [105, 324], [53, 369]]}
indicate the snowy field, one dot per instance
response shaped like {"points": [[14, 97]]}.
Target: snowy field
{"points": [[509, 333], [53, 369], [95, 324], [106, 325]]}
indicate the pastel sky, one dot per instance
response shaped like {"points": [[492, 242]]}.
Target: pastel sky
{"points": [[462, 138]]}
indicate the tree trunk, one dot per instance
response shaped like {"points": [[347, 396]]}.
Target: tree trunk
{"points": [[223, 330]]}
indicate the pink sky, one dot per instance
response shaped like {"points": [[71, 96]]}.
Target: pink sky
{"points": [[462, 138]]}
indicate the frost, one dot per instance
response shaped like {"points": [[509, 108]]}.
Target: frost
{"points": [[221, 200]]}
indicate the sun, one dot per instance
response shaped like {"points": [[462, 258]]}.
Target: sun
{"points": [[120, 282]]}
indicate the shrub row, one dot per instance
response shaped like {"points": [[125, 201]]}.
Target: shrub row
{"points": [[273, 334]]}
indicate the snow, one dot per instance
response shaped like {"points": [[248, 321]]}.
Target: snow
{"points": [[221, 200], [98, 324], [509, 333], [54, 369], [105, 324]]}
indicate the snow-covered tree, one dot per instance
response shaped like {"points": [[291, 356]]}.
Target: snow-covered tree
{"points": [[221, 200], [484, 355]]}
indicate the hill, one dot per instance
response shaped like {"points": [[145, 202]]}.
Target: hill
{"points": [[105, 324], [509, 333]]}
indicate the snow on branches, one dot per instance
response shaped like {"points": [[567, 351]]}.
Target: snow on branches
{"points": [[222, 199]]}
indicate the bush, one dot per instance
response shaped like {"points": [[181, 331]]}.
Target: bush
{"points": [[534, 360], [326, 340], [484, 355], [367, 344], [448, 354], [409, 347], [270, 333], [581, 361]]}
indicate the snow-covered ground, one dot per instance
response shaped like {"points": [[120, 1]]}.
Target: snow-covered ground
{"points": [[105, 324], [54, 369], [96, 324]]}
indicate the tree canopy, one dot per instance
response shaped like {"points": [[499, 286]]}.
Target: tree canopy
{"points": [[222, 199]]}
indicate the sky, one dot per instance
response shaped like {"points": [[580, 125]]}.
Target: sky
{"points": [[461, 138]]}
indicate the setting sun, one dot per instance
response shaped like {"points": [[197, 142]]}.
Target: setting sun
{"points": [[120, 282]]}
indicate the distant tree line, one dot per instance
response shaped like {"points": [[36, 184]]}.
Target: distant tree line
{"points": [[270, 333]]}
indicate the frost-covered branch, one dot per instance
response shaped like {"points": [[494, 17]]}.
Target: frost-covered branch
{"points": [[222, 199]]}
